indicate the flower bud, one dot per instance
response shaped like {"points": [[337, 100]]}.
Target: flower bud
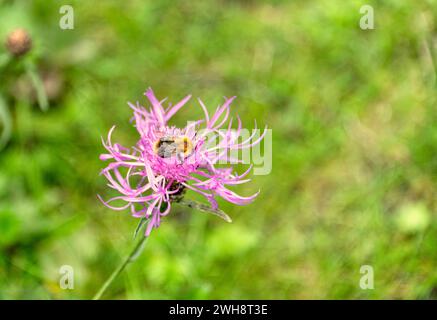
{"points": [[18, 42]]}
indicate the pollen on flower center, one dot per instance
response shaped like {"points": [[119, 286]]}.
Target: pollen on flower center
{"points": [[168, 146]]}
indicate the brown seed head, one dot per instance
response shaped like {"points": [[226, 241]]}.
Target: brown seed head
{"points": [[18, 42]]}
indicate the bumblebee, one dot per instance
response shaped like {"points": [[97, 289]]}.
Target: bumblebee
{"points": [[168, 146]]}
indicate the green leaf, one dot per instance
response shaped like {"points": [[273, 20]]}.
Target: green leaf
{"points": [[138, 249], [205, 208]]}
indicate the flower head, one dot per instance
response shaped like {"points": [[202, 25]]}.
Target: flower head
{"points": [[167, 161]]}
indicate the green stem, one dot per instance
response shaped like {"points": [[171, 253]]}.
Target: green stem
{"points": [[38, 85], [130, 258]]}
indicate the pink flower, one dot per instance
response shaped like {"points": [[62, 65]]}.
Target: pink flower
{"points": [[166, 161]]}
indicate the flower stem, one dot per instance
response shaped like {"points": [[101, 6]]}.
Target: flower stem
{"points": [[38, 85], [130, 258], [5, 119]]}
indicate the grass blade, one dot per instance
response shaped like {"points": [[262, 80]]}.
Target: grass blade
{"points": [[38, 85]]}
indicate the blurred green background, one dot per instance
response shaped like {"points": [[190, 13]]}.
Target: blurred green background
{"points": [[353, 114]]}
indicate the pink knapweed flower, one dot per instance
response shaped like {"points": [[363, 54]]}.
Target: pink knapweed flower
{"points": [[166, 161]]}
